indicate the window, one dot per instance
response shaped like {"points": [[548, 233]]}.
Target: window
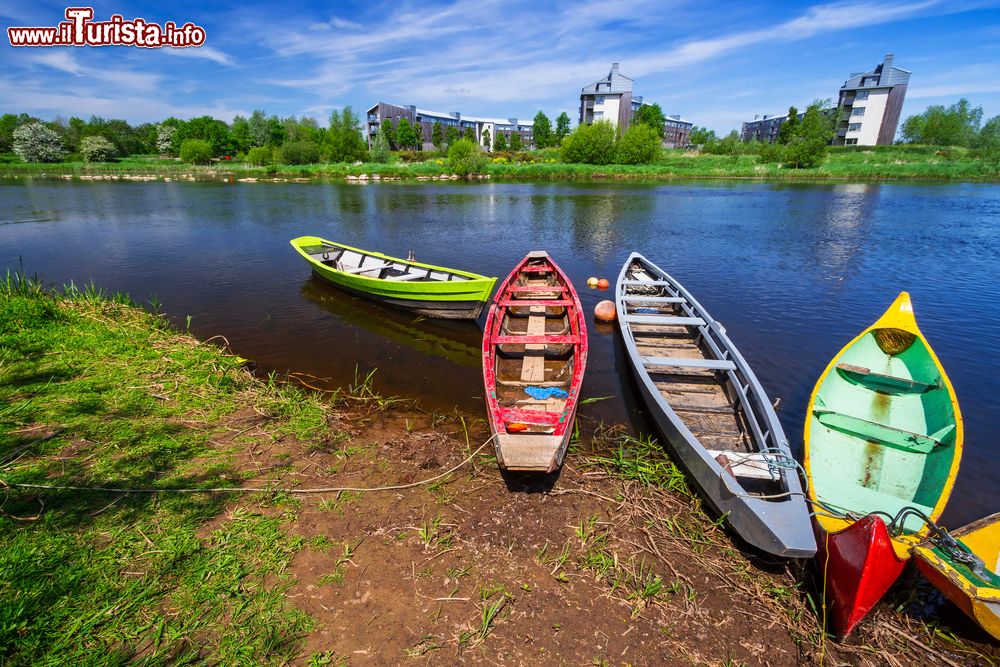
{"points": [[599, 99], [850, 142], [598, 115], [858, 111], [854, 127], [862, 95]]}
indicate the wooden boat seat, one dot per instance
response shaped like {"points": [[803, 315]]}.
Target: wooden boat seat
{"points": [[535, 340], [886, 384], [407, 276], [671, 320], [648, 283], [752, 465], [679, 362], [882, 434], [366, 269], [631, 298]]}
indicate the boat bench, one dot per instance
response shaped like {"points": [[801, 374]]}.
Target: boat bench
{"points": [[752, 465], [882, 434], [666, 320], [366, 269], [886, 384], [680, 362], [407, 276]]}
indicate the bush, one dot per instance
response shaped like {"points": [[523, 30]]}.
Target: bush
{"points": [[807, 146], [97, 149], [771, 153], [260, 156], [591, 144], [466, 157], [196, 151], [379, 152], [299, 152], [639, 145], [35, 142], [415, 156]]}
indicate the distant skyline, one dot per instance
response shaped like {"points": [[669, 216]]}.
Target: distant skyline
{"points": [[715, 66]]}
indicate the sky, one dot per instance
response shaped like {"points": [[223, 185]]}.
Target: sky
{"points": [[715, 64]]}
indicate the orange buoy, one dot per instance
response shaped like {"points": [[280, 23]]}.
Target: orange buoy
{"points": [[591, 282], [516, 428], [603, 283], [605, 311]]}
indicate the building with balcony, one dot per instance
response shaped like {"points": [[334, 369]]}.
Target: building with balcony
{"points": [[609, 99], [424, 120], [676, 132]]}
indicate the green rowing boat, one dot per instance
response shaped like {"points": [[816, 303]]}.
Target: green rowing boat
{"points": [[423, 288]]}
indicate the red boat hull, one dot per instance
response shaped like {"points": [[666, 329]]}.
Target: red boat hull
{"points": [[859, 565]]}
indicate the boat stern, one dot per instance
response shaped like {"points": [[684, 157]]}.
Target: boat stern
{"points": [[529, 452]]}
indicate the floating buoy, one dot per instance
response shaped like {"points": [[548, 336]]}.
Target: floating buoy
{"points": [[603, 283], [605, 311], [592, 282]]}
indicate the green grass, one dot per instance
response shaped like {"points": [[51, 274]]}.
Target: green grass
{"points": [[94, 391]]}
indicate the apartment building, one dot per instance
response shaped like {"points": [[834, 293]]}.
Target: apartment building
{"points": [[609, 99], [424, 120], [676, 132]]}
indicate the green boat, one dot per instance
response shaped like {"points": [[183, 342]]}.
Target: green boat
{"points": [[426, 289]]}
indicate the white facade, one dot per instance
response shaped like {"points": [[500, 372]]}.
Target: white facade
{"points": [[865, 119]]}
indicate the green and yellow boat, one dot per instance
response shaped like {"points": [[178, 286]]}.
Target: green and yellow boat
{"points": [[426, 289]]}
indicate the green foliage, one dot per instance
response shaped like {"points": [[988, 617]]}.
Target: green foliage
{"points": [[515, 143], [437, 135], [787, 129], [260, 156], [562, 127], [541, 131], [591, 144], [702, 136], [451, 135], [989, 136], [8, 123], [343, 138], [36, 142], [486, 138], [651, 115], [808, 144], [956, 125], [500, 143], [406, 135], [196, 151], [770, 153], [728, 145], [388, 130], [465, 157], [206, 128], [165, 139], [97, 149], [470, 134], [379, 152], [300, 152], [639, 145], [264, 130]]}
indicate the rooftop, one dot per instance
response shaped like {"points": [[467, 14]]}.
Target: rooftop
{"points": [[613, 83]]}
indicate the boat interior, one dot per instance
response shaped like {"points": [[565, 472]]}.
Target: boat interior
{"points": [[360, 263], [695, 376]]}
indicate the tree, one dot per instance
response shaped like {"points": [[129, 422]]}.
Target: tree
{"points": [[787, 129], [300, 152], [8, 123], [406, 136], [989, 136], [97, 149], [956, 125], [239, 129], [639, 145], [260, 156], [651, 115], [728, 145], [388, 130], [437, 135], [466, 157], [591, 144], [343, 138], [541, 130], [165, 138], [209, 129], [500, 143], [486, 138], [36, 142], [807, 146], [258, 131], [562, 127], [470, 134], [515, 140], [196, 151], [379, 152], [451, 135], [702, 136]]}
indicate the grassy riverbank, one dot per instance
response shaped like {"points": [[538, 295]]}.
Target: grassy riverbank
{"points": [[613, 563], [842, 163]]}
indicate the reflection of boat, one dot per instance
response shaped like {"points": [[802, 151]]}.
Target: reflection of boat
{"points": [[883, 438], [967, 570], [423, 288], [711, 409], [458, 342], [534, 356]]}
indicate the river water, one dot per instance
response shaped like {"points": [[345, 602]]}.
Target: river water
{"points": [[793, 271]]}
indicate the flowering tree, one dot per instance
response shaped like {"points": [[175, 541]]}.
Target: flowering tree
{"points": [[35, 142]]}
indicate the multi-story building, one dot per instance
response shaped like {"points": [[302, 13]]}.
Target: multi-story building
{"points": [[609, 99], [870, 104], [867, 110], [424, 120], [676, 132]]}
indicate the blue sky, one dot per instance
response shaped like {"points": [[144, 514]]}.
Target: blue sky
{"points": [[715, 64]]}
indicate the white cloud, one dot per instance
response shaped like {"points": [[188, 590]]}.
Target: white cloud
{"points": [[66, 60], [201, 52]]}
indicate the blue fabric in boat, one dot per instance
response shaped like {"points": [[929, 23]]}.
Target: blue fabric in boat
{"points": [[541, 393]]}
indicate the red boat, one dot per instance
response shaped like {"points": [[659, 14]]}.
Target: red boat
{"points": [[534, 356]]}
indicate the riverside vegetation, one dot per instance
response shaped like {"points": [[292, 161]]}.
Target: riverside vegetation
{"points": [[616, 563]]}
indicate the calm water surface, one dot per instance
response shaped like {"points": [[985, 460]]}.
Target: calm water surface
{"points": [[793, 271]]}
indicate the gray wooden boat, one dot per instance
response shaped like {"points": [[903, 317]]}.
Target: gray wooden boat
{"points": [[711, 410]]}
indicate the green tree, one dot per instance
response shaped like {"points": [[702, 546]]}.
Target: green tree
{"points": [[728, 145], [956, 125], [406, 136], [562, 127], [451, 135], [379, 152], [702, 136], [641, 144], [787, 129], [37, 142], [258, 131], [500, 143], [239, 129], [808, 145], [97, 149], [388, 129], [989, 136], [209, 129], [516, 143], [541, 130], [651, 115], [196, 151], [486, 138], [300, 152], [470, 134], [343, 138], [466, 157], [260, 156], [437, 135], [591, 144]]}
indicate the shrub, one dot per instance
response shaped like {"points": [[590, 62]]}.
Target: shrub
{"points": [[196, 151], [260, 156], [415, 156], [639, 145], [771, 152], [591, 144], [466, 157], [807, 146], [35, 142], [299, 152], [379, 151], [97, 149]]}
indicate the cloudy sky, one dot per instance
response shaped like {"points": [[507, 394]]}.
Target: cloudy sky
{"points": [[716, 64]]}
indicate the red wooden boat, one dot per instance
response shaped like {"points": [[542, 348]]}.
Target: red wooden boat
{"points": [[534, 355]]}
